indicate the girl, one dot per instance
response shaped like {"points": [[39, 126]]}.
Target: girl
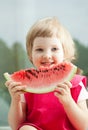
{"points": [[49, 43]]}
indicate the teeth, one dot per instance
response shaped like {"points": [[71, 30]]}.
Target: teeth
{"points": [[47, 64]]}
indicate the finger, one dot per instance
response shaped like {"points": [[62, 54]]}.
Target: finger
{"points": [[19, 92], [63, 88], [7, 83], [63, 85], [60, 90], [18, 88], [11, 84], [68, 84], [58, 95]]}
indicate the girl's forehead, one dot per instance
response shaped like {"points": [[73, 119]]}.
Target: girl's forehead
{"points": [[46, 40]]}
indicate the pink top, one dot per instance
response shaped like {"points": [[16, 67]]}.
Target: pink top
{"points": [[45, 112]]}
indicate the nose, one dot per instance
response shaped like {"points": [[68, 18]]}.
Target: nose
{"points": [[47, 55]]}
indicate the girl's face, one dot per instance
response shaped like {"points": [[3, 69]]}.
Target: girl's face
{"points": [[47, 52]]}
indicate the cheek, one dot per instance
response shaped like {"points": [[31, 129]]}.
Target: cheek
{"points": [[35, 60], [60, 57]]}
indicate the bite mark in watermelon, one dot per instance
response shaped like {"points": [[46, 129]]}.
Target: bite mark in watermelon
{"points": [[45, 79]]}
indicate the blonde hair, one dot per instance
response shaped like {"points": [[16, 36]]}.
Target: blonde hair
{"points": [[49, 27]]}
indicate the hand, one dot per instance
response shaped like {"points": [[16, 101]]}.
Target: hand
{"points": [[62, 92], [15, 89]]}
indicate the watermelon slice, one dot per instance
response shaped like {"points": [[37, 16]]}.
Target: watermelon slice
{"points": [[45, 79]]}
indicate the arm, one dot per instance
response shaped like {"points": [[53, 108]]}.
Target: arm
{"points": [[16, 114], [77, 113], [17, 110]]}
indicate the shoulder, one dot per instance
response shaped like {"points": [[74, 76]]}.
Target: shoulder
{"points": [[77, 79], [78, 83], [83, 94]]}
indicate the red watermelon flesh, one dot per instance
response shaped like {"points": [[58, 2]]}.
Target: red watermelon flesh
{"points": [[45, 79]]}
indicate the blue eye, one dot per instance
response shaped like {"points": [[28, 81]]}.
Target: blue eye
{"points": [[54, 49], [39, 49]]}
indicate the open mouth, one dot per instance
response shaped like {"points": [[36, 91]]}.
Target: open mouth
{"points": [[47, 64]]}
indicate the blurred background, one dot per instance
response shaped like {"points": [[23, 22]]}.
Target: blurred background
{"points": [[16, 18]]}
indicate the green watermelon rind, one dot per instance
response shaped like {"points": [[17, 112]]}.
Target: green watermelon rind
{"points": [[46, 89], [7, 76], [42, 90]]}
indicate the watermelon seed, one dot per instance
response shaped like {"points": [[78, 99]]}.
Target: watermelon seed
{"points": [[32, 73]]}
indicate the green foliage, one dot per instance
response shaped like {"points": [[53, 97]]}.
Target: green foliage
{"points": [[5, 65], [4, 108], [18, 56], [11, 59], [5, 58], [82, 60], [20, 60]]}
